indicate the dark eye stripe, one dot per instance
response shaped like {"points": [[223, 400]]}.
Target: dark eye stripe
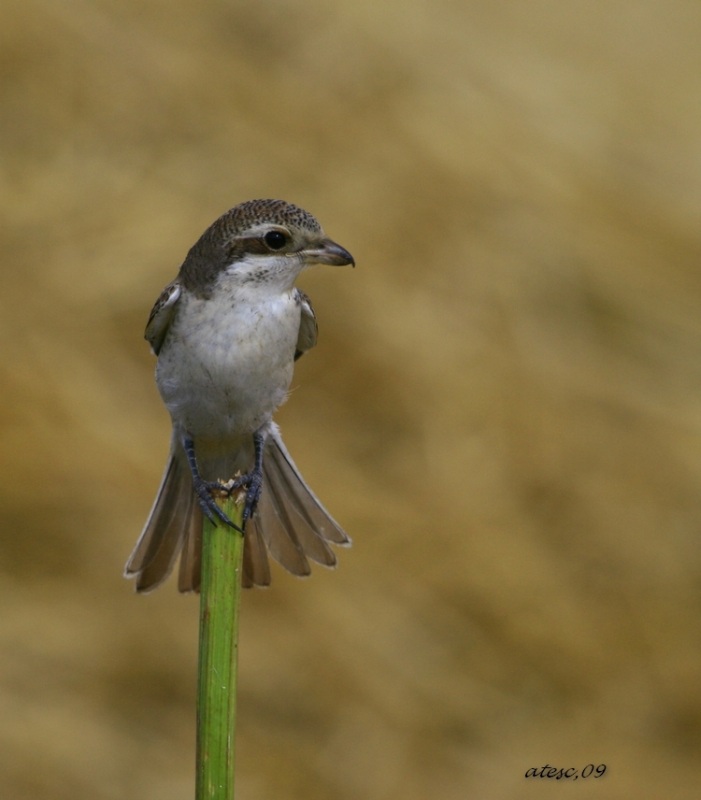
{"points": [[256, 244]]}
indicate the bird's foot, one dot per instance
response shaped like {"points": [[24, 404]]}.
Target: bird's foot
{"points": [[206, 491], [252, 482]]}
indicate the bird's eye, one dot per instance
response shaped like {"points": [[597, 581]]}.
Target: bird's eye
{"points": [[275, 240]]}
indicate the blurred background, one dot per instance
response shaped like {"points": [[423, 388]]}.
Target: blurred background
{"points": [[504, 408]]}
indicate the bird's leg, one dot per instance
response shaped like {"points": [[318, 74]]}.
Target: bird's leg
{"points": [[253, 480], [203, 489]]}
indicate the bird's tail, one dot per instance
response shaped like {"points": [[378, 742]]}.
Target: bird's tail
{"points": [[290, 523]]}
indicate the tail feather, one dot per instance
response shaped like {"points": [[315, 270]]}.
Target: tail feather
{"points": [[256, 569], [301, 497], [160, 542], [290, 523], [191, 558], [308, 541], [279, 536]]}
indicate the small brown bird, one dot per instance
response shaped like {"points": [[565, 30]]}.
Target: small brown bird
{"points": [[227, 332]]}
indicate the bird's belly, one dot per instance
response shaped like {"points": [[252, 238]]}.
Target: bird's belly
{"points": [[225, 367]]}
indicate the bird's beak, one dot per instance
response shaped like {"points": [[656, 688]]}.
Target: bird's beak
{"points": [[328, 252]]}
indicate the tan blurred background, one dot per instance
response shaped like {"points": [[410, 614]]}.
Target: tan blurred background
{"points": [[504, 408]]}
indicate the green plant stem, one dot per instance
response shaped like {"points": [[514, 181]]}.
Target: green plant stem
{"points": [[220, 596]]}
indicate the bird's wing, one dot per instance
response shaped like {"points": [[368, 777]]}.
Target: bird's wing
{"points": [[308, 328], [161, 316]]}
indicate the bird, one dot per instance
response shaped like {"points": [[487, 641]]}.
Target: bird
{"points": [[226, 333]]}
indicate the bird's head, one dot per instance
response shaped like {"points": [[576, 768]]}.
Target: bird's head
{"points": [[260, 241]]}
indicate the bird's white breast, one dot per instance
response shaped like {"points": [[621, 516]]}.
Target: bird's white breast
{"points": [[227, 361]]}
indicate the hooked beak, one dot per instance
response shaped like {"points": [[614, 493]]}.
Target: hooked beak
{"points": [[328, 252]]}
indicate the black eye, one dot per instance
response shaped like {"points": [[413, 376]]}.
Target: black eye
{"points": [[275, 240]]}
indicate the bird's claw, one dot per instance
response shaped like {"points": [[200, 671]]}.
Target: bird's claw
{"points": [[204, 491], [252, 482]]}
